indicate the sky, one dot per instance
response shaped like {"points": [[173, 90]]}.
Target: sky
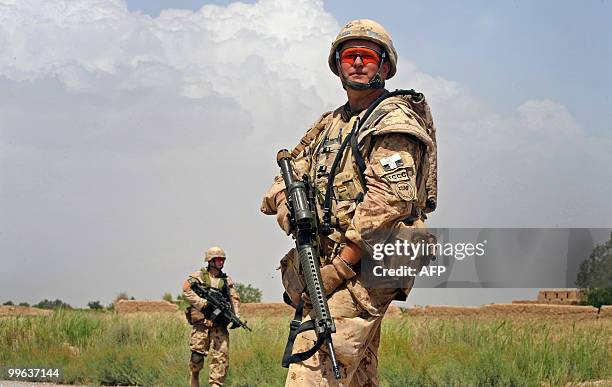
{"points": [[134, 135]]}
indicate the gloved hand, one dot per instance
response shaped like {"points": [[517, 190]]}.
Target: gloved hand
{"points": [[282, 213], [202, 304], [333, 275]]}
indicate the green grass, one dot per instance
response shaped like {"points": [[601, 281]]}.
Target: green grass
{"points": [[103, 348], [441, 352]]}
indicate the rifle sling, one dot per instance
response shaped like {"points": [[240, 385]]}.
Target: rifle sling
{"points": [[358, 157], [295, 328], [310, 135], [327, 202]]}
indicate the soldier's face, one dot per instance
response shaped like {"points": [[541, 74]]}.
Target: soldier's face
{"points": [[218, 262], [360, 59]]}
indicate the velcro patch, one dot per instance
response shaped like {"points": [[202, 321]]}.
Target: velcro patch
{"points": [[399, 175], [405, 190], [392, 162]]}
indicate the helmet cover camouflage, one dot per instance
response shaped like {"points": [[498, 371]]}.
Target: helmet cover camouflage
{"points": [[367, 30], [214, 252]]}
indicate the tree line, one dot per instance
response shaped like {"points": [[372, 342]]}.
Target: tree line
{"points": [[248, 293]]}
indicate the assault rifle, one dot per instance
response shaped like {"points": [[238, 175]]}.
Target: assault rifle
{"points": [[300, 199], [218, 307]]}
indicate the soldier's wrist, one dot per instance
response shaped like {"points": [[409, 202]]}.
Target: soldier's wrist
{"points": [[344, 268], [351, 254]]}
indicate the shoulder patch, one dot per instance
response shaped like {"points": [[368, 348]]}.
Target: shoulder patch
{"points": [[397, 167], [401, 175], [392, 162], [405, 190]]}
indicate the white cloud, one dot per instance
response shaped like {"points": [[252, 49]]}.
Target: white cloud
{"points": [[252, 54], [548, 118], [135, 142]]}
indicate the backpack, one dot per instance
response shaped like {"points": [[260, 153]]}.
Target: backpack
{"points": [[420, 106]]}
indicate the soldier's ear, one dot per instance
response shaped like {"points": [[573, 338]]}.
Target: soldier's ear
{"points": [[384, 71]]}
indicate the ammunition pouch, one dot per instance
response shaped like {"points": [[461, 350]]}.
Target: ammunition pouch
{"points": [[194, 316], [417, 233], [292, 278], [412, 253], [414, 233]]}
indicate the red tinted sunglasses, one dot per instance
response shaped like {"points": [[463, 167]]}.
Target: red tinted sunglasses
{"points": [[367, 55]]}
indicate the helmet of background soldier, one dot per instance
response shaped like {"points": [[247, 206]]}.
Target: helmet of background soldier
{"points": [[367, 30], [214, 252]]}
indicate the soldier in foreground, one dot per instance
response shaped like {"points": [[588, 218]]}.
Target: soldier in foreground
{"points": [[207, 334], [366, 189]]}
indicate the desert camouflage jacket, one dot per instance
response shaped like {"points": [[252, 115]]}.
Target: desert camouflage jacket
{"points": [[201, 275], [394, 146]]}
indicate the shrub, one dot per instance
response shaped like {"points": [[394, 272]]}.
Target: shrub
{"points": [[95, 305], [167, 297], [248, 293], [595, 276], [57, 304]]}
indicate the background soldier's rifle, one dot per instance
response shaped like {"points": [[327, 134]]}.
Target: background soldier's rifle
{"points": [[300, 199], [218, 306]]}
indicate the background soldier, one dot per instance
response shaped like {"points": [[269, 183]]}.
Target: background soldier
{"points": [[396, 146], [207, 334]]}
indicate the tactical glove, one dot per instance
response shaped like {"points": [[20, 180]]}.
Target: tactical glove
{"points": [[333, 275]]}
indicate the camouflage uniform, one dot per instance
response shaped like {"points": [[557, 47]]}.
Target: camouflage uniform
{"points": [[395, 145], [206, 335]]}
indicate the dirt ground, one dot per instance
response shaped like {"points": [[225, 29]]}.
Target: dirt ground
{"points": [[279, 309], [6, 310], [134, 306]]}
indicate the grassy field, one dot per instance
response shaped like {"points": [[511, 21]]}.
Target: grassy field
{"points": [[103, 348]]}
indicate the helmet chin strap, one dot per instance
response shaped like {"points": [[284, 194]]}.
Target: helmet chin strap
{"points": [[375, 83]]}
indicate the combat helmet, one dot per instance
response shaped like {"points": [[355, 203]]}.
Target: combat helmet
{"points": [[214, 252], [367, 30]]}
